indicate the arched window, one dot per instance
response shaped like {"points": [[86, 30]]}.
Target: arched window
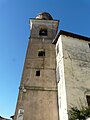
{"points": [[43, 32]]}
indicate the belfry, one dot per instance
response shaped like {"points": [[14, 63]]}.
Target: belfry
{"points": [[37, 98]]}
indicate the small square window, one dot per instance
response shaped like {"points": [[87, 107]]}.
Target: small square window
{"points": [[38, 73], [88, 99], [41, 52]]}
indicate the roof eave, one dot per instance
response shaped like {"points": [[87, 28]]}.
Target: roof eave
{"points": [[70, 35]]}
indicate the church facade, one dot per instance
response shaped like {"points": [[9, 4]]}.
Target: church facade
{"points": [[55, 74], [73, 71]]}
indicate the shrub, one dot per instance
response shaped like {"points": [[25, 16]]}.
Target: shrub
{"points": [[79, 114]]}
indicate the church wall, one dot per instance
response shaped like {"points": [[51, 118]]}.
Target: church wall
{"points": [[77, 70], [46, 65], [40, 104], [73, 73]]}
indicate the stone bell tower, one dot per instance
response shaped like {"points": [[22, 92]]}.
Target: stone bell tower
{"points": [[37, 99]]}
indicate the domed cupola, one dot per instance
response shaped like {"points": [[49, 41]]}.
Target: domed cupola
{"points": [[44, 16]]}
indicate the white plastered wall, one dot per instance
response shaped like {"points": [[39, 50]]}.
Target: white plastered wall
{"points": [[77, 70], [61, 82]]}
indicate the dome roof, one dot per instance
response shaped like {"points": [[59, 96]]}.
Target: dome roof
{"points": [[44, 16]]}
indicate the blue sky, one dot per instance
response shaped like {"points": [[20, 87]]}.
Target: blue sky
{"points": [[74, 16]]}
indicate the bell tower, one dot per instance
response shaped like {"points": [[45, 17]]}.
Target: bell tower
{"points": [[37, 99]]}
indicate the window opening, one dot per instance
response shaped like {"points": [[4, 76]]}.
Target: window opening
{"points": [[89, 45], [38, 73], [58, 75], [41, 52], [88, 99], [57, 48], [43, 32]]}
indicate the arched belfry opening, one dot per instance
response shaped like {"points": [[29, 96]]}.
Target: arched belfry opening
{"points": [[43, 32]]}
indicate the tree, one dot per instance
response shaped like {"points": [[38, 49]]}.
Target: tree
{"points": [[79, 114]]}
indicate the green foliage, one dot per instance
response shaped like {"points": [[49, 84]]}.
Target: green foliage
{"points": [[79, 114]]}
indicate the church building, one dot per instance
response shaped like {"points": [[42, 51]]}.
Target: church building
{"points": [[73, 71], [55, 74]]}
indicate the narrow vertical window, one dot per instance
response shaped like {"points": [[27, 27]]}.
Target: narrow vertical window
{"points": [[57, 49], [58, 75], [38, 73], [88, 99]]}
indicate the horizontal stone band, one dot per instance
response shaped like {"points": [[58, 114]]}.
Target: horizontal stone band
{"points": [[40, 88]]}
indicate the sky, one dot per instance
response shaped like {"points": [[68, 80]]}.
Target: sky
{"points": [[74, 16]]}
